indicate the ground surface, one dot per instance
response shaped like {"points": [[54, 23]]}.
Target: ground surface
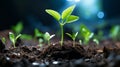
{"points": [[28, 54]]}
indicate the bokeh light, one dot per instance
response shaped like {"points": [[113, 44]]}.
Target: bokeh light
{"points": [[100, 14]]}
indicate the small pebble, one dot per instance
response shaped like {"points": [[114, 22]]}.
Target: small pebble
{"points": [[55, 62], [35, 63]]}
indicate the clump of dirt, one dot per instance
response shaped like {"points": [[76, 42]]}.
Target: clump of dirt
{"points": [[66, 51]]}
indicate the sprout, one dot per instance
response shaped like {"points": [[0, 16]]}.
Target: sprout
{"points": [[47, 37], [73, 36], [115, 32], [18, 28], [38, 33], [85, 33], [96, 41], [63, 19], [80, 41], [3, 40], [13, 38], [40, 42]]}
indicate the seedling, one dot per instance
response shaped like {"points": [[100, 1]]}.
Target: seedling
{"points": [[13, 38], [47, 37], [40, 42], [18, 28], [115, 32], [85, 33], [96, 41], [80, 41], [3, 40], [73, 36], [38, 33], [63, 19]]}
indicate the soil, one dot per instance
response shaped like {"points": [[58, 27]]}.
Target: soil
{"points": [[28, 54]]}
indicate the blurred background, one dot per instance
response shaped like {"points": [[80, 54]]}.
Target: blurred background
{"points": [[93, 13]]}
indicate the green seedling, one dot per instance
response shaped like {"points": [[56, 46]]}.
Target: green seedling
{"points": [[96, 41], [73, 36], [80, 41], [85, 33], [40, 42], [13, 38], [38, 33], [47, 37], [3, 40], [18, 28], [115, 32], [63, 19], [99, 35]]}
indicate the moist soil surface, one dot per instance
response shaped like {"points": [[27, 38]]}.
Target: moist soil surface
{"points": [[28, 54]]}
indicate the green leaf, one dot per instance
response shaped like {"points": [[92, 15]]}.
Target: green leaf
{"points": [[72, 18], [47, 36], [69, 35], [37, 33], [53, 13], [18, 28], [18, 36], [26, 36], [3, 40], [67, 12], [12, 37]]}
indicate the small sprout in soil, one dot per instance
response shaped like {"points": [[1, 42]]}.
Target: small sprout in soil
{"points": [[13, 38], [115, 32], [73, 36], [47, 37], [40, 42], [99, 35], [96, 41], [37, 33], [80, 41], [63, 19], [18, 28], [3, 40], [85, 33]]}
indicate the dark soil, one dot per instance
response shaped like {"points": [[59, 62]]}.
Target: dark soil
{"points": [[28, 54]]}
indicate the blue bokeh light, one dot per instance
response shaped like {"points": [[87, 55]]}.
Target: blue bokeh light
{"points": [[100, 14]]}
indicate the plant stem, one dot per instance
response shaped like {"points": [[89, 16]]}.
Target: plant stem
{"points": [[48, 42], [14, 45], [62, 34], [74, 43]]}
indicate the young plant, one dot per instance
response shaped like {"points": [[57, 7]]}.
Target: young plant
{"points": [[37, 33], [47, 37], [85, 33], [18, 28], [3, 40], [13, 38], [115, 32], [64, 18], [73, 36], [40, 42], [96, 41]]}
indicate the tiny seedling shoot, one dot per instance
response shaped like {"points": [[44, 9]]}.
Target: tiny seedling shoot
{"points": [[37, 33], [18, 27], [13, 39], [63, 19], [85, 33], [3, 40], [73, 36], [47, 37]]}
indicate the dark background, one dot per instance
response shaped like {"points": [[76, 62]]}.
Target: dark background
{"points": [[32, 13]]}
